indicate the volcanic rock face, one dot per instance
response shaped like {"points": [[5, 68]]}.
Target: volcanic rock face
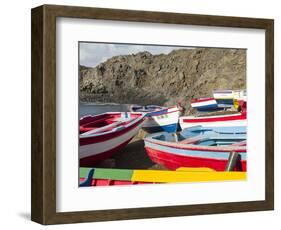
{"points": [[181, 75]]}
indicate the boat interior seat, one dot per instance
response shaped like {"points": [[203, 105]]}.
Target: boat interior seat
{"points": [[191, 140], [110, 127], [102, 129], [125, 119]]}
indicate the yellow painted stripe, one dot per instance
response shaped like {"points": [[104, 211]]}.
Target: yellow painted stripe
{"points": [[174, 176], [190, 169], [235, 104]]}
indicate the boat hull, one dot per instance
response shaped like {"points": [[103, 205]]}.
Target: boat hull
{"points": [[227, 97], [214, 121], [173, 161], [198, 147], [171, 128], [162, 121], [96, 156], [208, 108], [225, 102], [97, 148], [202, 105]]}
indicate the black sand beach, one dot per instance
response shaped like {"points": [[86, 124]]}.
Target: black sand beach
{"points": [[133, 156]]}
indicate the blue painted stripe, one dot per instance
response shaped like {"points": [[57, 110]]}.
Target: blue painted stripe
{"points": [[210, 107], [224, 101], [192, 153], [157, 113], [207, 106]]}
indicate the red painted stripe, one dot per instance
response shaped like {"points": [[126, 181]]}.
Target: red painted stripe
{"points": [[101, 182], [173, 161], [106, 182], [242, 116], [108, 136], [97, 182], [86, 119]]}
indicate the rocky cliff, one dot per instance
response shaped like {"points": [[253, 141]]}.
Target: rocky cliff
{"points": [[181, 75]]}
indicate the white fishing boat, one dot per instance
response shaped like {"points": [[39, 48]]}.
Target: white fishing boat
{"points": [[103, 135], [159, 118]]}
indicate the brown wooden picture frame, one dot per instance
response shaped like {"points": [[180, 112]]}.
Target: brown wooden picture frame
{"points": [[43, 186]]}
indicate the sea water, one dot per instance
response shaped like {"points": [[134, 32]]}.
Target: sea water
{"points": [[94, 109]]}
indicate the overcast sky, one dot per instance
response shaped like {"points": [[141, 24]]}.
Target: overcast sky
{"points": [[92, 54]]}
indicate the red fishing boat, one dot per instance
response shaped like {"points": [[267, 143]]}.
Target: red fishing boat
{"points": [[103, 135], [198, 147]]}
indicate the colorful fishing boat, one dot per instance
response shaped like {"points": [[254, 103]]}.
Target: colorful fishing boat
{"points": [[146, 108], [103, 135], [198, 147], [107, 177], [235, 119], [159, 118], [205, 104], [110, 177], [224, 98]]}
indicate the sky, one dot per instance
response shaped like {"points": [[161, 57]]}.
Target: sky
{"points": [[92, 54]]}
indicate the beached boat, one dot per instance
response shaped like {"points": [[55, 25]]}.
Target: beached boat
{"points": [[198, 147], [146, 108], [111, 177], [105, 134], [159, 118], [107, 177], [224, 98], [236, 119], [205, 104]]}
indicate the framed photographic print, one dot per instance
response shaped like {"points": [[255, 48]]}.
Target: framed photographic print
{"points": [[141, 114]]}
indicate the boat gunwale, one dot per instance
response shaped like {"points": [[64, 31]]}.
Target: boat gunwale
{"points": [[191, 156], [199, 119], [193, 147], [198, 100], [134, 122], [167, 112]]}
